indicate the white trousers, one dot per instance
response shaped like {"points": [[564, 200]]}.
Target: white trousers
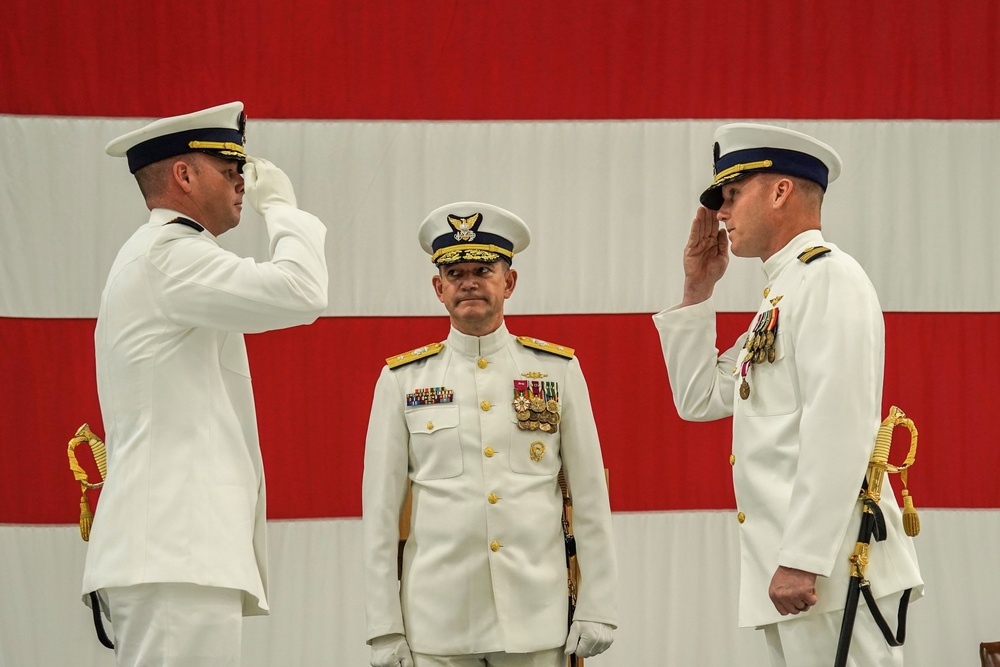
{"points": [[811, 641], [550, 658], [176, 625]]}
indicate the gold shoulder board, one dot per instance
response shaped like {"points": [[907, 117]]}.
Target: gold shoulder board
{"points": [[551, 348], [398, 360], [809, 254]]}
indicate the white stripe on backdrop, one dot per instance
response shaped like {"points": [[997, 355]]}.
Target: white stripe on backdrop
{"points": [[678, 595], [609, 204]]}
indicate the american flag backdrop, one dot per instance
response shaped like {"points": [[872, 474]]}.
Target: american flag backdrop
{"points": [[593, 121]]}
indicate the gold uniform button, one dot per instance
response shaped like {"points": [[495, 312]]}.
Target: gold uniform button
{"points": [[485, 405], [732, 459], [482, 363], [430, 426], [741, 517], [493, 498], [494, 545], [489, 452]]}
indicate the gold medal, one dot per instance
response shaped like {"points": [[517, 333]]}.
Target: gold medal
{"points": [[545, 426], [533, 426], [523, 415], [771, 355], [554, 418], [553, 428], [769, 340], [759, 356], [552, 405], [745, 389], [537, 404], [523, 426]]}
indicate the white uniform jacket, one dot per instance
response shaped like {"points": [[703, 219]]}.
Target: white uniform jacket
{"points": [[803, 437], [185, 498], [484, 568]]}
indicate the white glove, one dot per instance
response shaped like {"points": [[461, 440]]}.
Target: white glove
{"points": [[587, 638], [391, 651], [265, 185]]}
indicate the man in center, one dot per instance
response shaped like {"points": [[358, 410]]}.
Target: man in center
{"points": [[481, 424]]}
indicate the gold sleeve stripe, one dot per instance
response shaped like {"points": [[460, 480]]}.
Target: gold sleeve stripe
{"points": [[398, 360], [551, 348]]}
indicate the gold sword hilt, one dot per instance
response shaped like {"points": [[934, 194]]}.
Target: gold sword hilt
{"points": [[878, 467], [85, 436], [879, 464]]}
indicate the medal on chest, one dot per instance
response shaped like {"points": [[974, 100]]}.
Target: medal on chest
{"points": [[536, 404], [760, 344]]}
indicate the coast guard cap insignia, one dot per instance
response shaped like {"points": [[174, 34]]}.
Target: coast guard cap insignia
{"points": [[465, 227]]}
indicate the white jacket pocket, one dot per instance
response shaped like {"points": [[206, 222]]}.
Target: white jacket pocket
{"points": [[435, 448]]}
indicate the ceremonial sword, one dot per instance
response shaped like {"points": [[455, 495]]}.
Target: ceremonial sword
{"points": [[873, 526]]}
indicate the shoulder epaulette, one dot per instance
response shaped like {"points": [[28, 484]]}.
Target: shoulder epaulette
{"points": [[809, 254], [187, 222], [551, 348], [398, 360]]}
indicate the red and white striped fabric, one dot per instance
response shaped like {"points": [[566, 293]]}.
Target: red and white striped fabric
{"points": [[594, 123]]}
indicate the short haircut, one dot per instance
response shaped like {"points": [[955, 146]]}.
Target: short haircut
{"points": [[152, 179]]}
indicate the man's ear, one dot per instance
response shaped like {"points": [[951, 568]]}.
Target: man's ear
{"points": [[438, 287], [510, 281], [780, 191], [181, 172]]}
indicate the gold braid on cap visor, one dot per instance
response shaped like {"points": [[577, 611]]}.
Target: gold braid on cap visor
{"points": [[738, 168], [224, 147], [471, 252]]}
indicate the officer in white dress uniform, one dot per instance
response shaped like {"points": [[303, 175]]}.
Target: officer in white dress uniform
{"points": [[804, 388], [178, 547], [480, 424]]}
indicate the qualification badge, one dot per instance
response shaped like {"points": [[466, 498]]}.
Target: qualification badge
{"points": [[537, 450], [760, 344], [536, 404]]}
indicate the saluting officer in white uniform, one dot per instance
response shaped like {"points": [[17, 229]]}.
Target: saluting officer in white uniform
{"points": [[481, 424], [804, 388], [178, 548]]}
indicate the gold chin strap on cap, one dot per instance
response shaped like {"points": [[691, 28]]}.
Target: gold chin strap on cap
{"points": [[85, 435]]}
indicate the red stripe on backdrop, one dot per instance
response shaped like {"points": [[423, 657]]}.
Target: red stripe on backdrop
{"points": [[521, 59], [314, 384]]}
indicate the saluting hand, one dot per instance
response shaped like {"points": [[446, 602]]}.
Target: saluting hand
{"points": [[706, 257], [266, 185]]}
